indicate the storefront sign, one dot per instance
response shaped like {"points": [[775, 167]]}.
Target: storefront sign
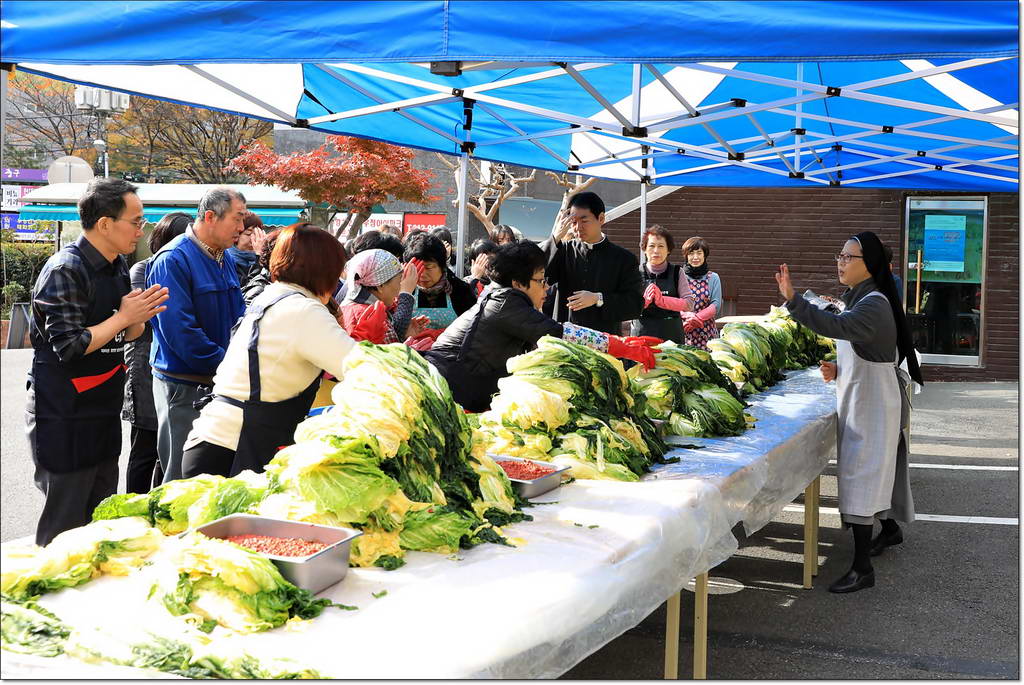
{"points": [[377, 222], [945, 239], [12, 174], [424, 222], [12, 195]]}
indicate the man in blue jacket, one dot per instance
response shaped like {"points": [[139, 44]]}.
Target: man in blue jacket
{"points": [[191, 336]]}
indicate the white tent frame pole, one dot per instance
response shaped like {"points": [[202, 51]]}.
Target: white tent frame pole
{"points": [[689, 108], [719, 165], [460, 240], [925, 168], [906, 130], [798, 120], [686, 120], [937, 153], [680, 114], [531, 136], [922, 107], [613, 156], [521, 132], [373, 96], [408, 103], [643, 218], [604, 160], [596, 94], [637, 88], [284, 116]]}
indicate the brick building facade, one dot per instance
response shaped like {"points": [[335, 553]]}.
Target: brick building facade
{"points": [[752, 230]]}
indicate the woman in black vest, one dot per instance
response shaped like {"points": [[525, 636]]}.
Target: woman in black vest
{"points": [[667, 289]]}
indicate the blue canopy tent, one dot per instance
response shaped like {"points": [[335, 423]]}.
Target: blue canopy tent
{"points": [[777, 93]]}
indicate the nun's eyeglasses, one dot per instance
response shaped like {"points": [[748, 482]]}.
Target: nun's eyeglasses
{"points": [[844, 258]]}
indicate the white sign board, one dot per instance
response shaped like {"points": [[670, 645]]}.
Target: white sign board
{"points": [[12, 195], [376, 222]]}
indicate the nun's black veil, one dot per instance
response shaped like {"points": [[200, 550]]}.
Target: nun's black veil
{"points": [[878, 265]]}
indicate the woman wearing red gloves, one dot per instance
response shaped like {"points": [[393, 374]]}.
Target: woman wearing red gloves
{"points": [[379, 298], [668, 290], [506, 321], [706, 288]]}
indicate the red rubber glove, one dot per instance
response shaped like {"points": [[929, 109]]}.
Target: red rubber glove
{"points": [[372, 324], [643, 340], [418, 263], [651, 294], [425, 340], [637, 351]]}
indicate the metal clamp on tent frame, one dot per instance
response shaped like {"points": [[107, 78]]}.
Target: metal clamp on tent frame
{"points": [[833, 91]]}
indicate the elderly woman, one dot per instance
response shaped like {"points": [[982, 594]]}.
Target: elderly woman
{"points": [[706, 289], [143, 465], [440, 295], [872, 403], [668, 290], [506, 322], [271, 371], [378, 300]]}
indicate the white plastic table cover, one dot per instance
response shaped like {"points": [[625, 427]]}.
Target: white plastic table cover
{"points": [[598, 558]]}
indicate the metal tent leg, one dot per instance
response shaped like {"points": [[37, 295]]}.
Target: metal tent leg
{"points": [[811, 494]]}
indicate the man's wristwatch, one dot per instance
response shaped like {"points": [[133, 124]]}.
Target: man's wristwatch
{"points": [[600, 300]]}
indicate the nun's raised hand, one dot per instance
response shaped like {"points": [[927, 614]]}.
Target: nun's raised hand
{"points": [[785, 285]]}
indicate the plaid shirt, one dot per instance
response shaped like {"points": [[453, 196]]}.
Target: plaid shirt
{"points": [[63, 295]]}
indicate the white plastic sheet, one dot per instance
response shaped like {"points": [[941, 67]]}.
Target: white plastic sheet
{"points": [[596, 560]]}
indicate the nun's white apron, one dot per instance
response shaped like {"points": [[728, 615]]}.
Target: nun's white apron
{"points": [[869, 407]]}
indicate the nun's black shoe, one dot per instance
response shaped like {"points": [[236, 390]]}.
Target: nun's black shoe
{"points": [[853, 581], [882, 541]]}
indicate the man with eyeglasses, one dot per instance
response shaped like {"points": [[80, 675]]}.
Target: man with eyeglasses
{"points": [[83, 311]]}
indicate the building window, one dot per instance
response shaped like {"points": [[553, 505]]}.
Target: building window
{"points": [[945, 277]]}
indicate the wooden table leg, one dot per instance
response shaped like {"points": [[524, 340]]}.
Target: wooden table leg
{"points": [[672, 637], [809, 535], [700, 628], [815, 523]]}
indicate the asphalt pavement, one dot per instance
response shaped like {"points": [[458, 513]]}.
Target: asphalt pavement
{"points": [[946, 603]]}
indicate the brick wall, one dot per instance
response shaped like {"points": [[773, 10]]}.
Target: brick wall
{"points": [[752, 230]]}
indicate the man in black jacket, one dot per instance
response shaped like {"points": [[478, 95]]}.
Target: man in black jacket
{"points": [[599, 283]]}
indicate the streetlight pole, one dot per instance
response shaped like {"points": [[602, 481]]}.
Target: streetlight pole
{"points": [[101, 149]]}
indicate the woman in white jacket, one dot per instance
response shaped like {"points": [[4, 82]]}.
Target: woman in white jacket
{"points": [[271, 371]]}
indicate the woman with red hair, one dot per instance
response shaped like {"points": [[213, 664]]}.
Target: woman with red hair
{"points": [[271, 371]]}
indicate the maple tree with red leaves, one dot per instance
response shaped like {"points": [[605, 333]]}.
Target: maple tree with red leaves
{"points": [[360, 174]]}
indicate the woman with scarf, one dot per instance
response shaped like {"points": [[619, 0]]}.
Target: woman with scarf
{"points": [[440, 295], [873, 404], [706, 289], [668, 289], [378, 302]]}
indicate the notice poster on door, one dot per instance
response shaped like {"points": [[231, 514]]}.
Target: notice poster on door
{"points": [[945, 238]]}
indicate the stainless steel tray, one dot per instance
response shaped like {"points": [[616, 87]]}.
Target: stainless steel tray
{"points": [[537, 486], [316, 572]]}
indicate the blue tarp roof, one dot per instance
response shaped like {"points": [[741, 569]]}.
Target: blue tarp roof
{"points": [[754, 74]]}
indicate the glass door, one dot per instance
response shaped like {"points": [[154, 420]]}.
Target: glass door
{"points": [[944, 277]]}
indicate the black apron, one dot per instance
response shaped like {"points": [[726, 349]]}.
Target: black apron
{"points": [[661, 323], [73, 412], [472, 391], [266, 426]]}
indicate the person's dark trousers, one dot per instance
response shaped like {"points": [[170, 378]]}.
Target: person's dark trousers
{"points": [[174, 417], [144, 470], [206, 458], [71, 497]]}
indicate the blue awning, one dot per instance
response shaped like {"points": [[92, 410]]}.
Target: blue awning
{"points": [[271, 216]]}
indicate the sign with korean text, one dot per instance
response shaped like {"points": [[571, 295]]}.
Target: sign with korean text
{"points": [[29, 175], [945, 240], [423, 222], [12, 195]]}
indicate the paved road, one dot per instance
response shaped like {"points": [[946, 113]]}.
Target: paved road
{"points": [[946, 604]]}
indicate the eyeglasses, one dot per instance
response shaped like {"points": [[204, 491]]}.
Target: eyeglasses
{"points": [[844, 258], [139, 223], [542, 281]]}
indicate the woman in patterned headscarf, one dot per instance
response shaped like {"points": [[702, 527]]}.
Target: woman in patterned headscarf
{"points": [[379, 288]]}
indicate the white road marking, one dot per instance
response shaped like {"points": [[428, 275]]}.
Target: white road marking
{"points": [[940, 518], [958, 467]]}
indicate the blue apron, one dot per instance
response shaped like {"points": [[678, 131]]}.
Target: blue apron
{"points": [[440, 317]]}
